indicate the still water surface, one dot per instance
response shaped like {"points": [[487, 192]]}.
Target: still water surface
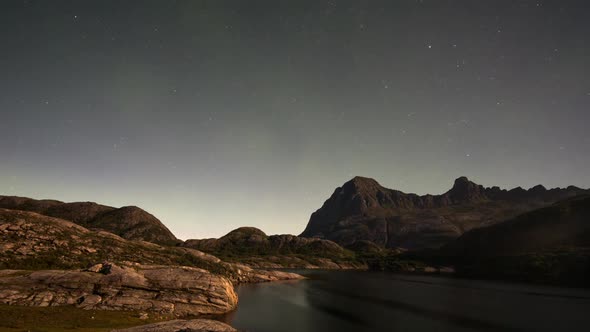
{"points": [[371, 301]]}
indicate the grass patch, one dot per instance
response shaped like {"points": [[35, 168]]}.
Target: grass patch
{"points": [[68, 318]]}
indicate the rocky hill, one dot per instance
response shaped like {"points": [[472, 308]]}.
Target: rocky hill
{"points": [[47, 261], [563, 225], [252, 246], [129, 222], [362, 209], [32, 241], [550, 244]]}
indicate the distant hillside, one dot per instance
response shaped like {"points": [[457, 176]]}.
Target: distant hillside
{"points": [[551, 244], [363, 210], [565, 224], [252, 246], [129, 222]]}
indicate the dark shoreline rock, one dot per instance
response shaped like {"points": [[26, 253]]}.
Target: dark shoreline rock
{"points": [[194, 325]]}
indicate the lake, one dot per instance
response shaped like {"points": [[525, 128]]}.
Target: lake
{"points": [[373, 301]]}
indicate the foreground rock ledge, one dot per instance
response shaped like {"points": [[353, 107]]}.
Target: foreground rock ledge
{"points": [[178, 290], [196, 325]]}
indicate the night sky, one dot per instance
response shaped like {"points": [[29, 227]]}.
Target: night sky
{"points": [[217, 114]]}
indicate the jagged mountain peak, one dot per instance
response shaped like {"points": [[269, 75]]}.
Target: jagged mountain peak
{"points": [[465, 190], [362, 209], [361, 184], [461, 180]]}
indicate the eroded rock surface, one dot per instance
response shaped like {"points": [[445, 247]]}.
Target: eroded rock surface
{"points": [[195, 325], [178, 290]]}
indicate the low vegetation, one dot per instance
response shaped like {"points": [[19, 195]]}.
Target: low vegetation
{"points": [[68, 318]]}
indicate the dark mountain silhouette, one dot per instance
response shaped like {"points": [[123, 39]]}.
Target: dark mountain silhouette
{"points": [[565, 224], [251, 239], [129, 222], [550, 245], [362, 209]]}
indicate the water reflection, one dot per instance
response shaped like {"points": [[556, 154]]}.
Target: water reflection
{"points": [[363, 301]]}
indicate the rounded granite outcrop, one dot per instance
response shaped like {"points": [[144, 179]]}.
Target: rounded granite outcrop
{"points": [[178, 290], [195, 325]]}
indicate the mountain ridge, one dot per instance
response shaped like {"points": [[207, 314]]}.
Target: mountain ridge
{"points": [[562, 224], [362, 209]]}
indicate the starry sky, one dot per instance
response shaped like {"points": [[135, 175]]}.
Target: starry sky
{"points": [[217, 114]]}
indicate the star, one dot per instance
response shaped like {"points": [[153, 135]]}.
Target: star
{"points": [[429, 46]]}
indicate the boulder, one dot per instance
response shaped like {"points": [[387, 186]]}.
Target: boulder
{"points": [[195, 325]]}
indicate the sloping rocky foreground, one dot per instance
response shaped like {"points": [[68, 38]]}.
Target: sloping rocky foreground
{"points": [[44, 262], [179, 290]]}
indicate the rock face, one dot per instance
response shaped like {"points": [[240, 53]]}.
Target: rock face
{"points": [[364, 210], [195, 325], [177, 290], [129, 222], [253, 247]]}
